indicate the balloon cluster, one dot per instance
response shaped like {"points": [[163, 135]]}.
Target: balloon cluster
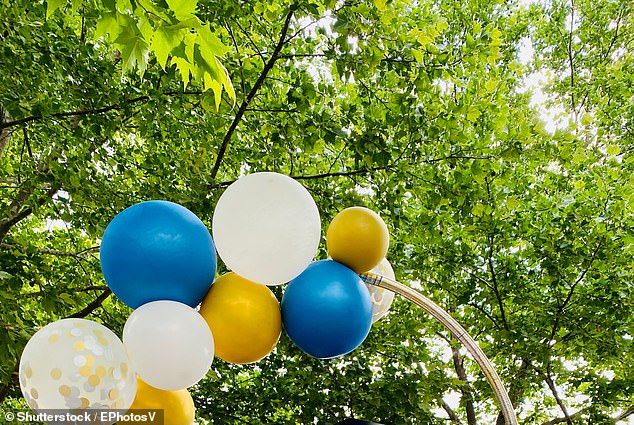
{"points": [[160, 259]]}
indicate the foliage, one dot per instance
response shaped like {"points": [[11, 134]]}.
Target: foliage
{"points": [[418, 110]]}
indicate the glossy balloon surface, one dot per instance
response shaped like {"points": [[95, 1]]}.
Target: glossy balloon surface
{"points": [[357, 237], [76, 364], [267, 228], [244, 318], [169, 344], [158, 250], [327, 310]]}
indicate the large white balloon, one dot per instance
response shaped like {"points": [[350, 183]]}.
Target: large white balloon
{"points": [[169, 344], [381, 297], [76, 364], [266, 228]]}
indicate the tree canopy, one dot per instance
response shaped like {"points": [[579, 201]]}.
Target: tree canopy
{"points": [[518, 224]]}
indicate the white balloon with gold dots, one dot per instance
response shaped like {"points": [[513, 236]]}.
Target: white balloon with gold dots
{"points": [[381, 297], [76, 364]]}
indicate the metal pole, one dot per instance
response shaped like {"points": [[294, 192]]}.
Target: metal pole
{"points": [[458, 331]]}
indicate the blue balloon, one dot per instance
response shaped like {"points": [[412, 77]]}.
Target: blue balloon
{"points": [[327, 310], [158, 250]]}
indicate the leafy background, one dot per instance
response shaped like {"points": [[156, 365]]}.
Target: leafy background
{"points": [[494, 137]]}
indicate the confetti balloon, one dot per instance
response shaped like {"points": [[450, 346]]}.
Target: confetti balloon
{"points": [[327, 311], [358, 238], [158, 250], [244, 318], [381, 297], [76, 364], [169, 344], [267, 228]]}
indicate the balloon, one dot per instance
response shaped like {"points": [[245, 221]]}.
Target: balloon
{"points": [[158, 250], [327, 311], [76, 364], [169, 344], [381, 297], [178, 406], [267, 228], [358, 238], [244, 318]]}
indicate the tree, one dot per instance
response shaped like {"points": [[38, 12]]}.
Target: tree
{"points": [[416, 110]]}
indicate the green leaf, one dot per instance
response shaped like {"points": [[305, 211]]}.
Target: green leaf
{"points": [[380, 4], [164, 41], [210, 43], [613, 150], [473, 113], [418, 55], [134, 49], [53, 5], [183, 9], [108, 26], [478, 210]]}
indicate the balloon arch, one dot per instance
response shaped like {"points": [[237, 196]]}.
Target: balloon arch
{"points": [[160, 259]]}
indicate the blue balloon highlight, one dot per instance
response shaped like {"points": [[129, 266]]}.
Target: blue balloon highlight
{"points": [[327, 310], [158, 250]]}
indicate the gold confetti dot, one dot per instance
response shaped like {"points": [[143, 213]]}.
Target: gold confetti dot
{"points": [[53, 338], [56, 373], [28, 372], [103, 341], [64, 390], [90, 360], [124, 368], [113, 394], [84, 402], [93, 380], [100, 371], [84, 371], [79, 346], [33, 404], [34, 393]]}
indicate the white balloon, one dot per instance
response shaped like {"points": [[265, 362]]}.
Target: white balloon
{"points": [[169, 344], [76, 364], [381, 297], [266, 228]]}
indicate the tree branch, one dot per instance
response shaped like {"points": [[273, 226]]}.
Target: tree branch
{"points": [[561, 420], [92, 306], [516, 391], [452, 415], [245, 103], [5, 133], [553, 389], [494, 280], [94, 111], [318, 176], [624, 414], [571, 60], [7, 223], [466, 390], [56, 252], [13, 381], [571, 291]]}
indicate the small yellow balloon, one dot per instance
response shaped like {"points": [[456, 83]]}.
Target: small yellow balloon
{"points": [[358, 238], [177, 406], [244, 318]]}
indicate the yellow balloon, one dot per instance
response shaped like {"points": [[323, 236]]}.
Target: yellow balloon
{"points": [[244, 318], [178, 406], [358, 238]]}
